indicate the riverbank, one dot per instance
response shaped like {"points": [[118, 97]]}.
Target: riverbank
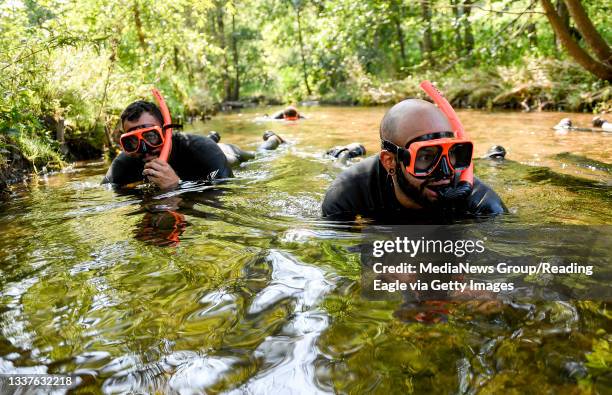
{"points": [[14, 167], [536, 84]]}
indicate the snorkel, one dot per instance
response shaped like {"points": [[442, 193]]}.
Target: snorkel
{"points": [[462, 187], [167, 147]]}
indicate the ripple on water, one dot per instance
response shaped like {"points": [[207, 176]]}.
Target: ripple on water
{"points": [[288, 357], [291, 279]]}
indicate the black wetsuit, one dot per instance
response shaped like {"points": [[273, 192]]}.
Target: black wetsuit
{"points": [[366, 190], [192, 158], [234, 154]]}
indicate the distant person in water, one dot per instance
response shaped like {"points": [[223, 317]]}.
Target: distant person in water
{"points": [[233, 153], [599, 122], [563, 124], [414, 179], [496, 152], [347, 152], [192, 157], [271, 141], [289, 114]]}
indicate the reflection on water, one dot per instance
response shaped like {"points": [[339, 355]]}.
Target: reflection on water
{"points": [[162, 228], [241, 288]]}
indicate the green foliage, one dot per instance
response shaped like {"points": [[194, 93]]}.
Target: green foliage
{"points": [[84, 61]]}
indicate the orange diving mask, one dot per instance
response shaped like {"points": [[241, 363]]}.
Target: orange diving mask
{"points": [[132, 141], [291, 114], [423, 155]]}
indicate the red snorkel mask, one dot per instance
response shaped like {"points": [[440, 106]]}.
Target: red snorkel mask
{"points": [[151, 136], [291, 114], [436, 154]]}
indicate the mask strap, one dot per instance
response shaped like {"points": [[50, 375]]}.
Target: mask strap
{"points": [[432, 136], [147, 125], [172, 126]]}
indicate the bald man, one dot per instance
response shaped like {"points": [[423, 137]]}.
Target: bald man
{"points": [[382, 187]]}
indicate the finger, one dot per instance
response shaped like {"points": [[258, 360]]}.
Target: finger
{"points": [[161, 162], [152, 173], [159, 166]]}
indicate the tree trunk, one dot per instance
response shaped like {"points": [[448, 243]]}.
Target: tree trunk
{"points": [[533, 34], [467, 27], [60, 135], [304, 70], [427, 43], [456, 7], [177, 63], [236, 90], [564, 17], [108, 128], [397, 21], [225, 66], [400, 40], [589, 33], [138, 24], [596, 68]]}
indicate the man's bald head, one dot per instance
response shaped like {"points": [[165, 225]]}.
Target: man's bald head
{"points": [[410, 119]]}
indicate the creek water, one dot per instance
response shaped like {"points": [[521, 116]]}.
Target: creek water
{"points": [[242, 288]]}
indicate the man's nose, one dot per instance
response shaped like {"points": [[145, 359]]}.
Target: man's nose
{"points": [[143, 147], [445, 168]]}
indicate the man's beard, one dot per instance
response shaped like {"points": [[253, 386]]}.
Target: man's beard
{"points": [[414, 193]]}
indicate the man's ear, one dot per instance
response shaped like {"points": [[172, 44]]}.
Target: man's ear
{"points": [[387, 159]]}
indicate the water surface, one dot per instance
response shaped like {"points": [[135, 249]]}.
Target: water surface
{"points": [[244, 289]]}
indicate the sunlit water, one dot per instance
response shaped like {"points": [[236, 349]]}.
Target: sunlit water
{"points": [[244, 289]]}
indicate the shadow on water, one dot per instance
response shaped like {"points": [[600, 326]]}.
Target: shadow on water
{"points": [[539, 194], [583, 161], [546, 175], [538, 175]]}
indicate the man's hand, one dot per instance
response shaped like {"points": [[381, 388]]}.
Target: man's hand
{"points": [[161, 174]]}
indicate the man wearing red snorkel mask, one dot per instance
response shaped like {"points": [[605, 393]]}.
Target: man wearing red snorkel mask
{"points": [[288, 114], [416, 176], [191, 157]]}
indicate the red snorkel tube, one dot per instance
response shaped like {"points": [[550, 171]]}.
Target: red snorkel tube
{"points": [[467, 175], [165, 152]]}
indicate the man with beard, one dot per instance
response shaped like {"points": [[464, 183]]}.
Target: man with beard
{"points": [[192, 157], [415, 178]]}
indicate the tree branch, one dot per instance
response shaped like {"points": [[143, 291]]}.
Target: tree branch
{"points": [[592, 37], [596, 68]]}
